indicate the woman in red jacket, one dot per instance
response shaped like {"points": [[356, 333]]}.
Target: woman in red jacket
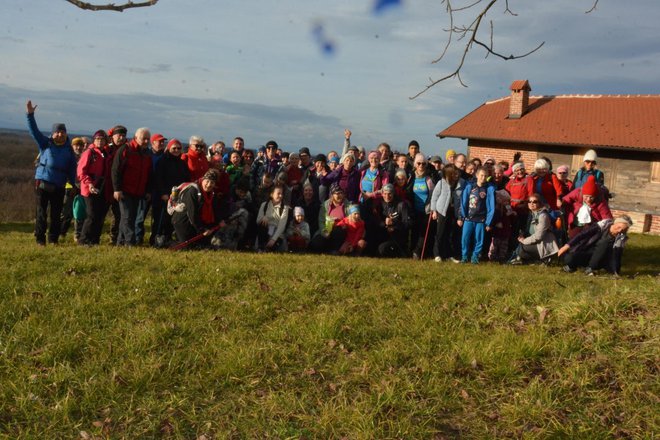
{"points": [[585, 206], [196, 159], [92, 172], [545, 183]]}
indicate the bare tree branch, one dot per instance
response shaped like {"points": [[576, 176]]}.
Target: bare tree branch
{"points": [[593, 8], [111, 6], [509, 10], [471, 32]]}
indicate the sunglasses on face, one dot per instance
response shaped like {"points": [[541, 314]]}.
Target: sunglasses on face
{"points": [[532, 201]]}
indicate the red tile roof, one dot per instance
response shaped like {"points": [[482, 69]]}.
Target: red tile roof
{"points": [[609, 121]]}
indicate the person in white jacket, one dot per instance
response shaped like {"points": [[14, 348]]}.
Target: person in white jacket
{"points": [[441, 200], [271, 222]]}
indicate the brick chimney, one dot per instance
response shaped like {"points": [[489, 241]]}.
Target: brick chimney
{"points": [[519, 98]]}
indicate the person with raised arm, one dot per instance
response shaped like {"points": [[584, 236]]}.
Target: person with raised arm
{"points": [[56, 166]]}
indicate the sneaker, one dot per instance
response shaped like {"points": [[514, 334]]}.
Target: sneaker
{"points": [[464, 260], [568, 269], [455, 260], [475, 261], [438, 260], [589, 272], [516, 261]]}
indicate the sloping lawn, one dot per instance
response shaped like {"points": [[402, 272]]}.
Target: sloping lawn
{"points": [[143, 343]]}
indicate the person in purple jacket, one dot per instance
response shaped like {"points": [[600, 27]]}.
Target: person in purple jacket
{"points": [[347, 177]]}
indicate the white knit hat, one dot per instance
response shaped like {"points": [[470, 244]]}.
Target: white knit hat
{"points": [[590, 155]]}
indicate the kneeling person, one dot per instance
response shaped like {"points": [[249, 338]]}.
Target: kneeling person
{"points": [[598, 246]]}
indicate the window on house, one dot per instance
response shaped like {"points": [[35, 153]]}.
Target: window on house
{"points": [[655, 172]]}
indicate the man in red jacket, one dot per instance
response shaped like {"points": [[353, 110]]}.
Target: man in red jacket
{"points": [[131, 176]]}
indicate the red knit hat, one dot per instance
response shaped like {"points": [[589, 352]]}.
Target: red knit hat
{"points": [[590, 188], [173, 142]]}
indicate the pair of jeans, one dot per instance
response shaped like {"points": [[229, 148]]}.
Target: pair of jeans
{"points": [[128, 209]]}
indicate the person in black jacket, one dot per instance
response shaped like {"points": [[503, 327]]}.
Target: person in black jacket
{"points": [[170, 172], [598, 246], [197, 211], [387, 224]]}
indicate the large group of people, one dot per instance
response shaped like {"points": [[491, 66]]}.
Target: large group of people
{"points": [[353, 202]]}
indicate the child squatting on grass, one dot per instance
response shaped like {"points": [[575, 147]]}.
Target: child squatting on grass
{"points": [[297, 234], [354, 243]]}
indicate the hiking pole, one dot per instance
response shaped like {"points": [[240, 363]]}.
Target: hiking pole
{"points": [[426, 236], [179, 246]]}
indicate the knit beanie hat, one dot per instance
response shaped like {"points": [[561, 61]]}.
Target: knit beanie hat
{"points": [[119, 129], [298, 211], [58, 126], [449, 154], [590, 188], [516, 166], [347, 155], [353, 209], [78, 141], [99, 133], [173, 142], [590, 156], [562, 169], [335, 188]]}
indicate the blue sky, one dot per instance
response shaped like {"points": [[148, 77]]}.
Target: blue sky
{"points": [[226, 68]]}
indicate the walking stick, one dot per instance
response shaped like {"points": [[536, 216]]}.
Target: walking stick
{"points": [[179, 246], [426, 236]]}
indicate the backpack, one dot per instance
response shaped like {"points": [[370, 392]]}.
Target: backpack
{"points": [[174, 203]]}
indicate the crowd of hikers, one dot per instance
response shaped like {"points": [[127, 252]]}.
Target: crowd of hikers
{"points": [[354, 202]]}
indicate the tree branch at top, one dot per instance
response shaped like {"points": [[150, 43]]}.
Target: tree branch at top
{"points": [[111, 6]]}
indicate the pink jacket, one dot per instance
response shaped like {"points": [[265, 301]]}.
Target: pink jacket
{"points": [[92, 169], [573, 202]]}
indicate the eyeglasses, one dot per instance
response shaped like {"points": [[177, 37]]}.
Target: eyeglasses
{"points": [[562, 173], [420, 163], [197, 145], [532, 201], [175, 149]]}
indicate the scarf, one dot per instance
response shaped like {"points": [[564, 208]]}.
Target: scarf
{"points": [[206, 213], [584, 215]]}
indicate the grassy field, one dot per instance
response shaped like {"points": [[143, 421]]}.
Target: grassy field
{"points": [[140, 343]]}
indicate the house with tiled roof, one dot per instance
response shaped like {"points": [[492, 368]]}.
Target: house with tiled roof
{"points": [[623, 129]]}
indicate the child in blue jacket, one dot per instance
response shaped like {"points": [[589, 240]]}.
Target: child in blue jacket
{"points": [[477, 211]]}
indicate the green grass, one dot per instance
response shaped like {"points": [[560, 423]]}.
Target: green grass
{"points": [[140, 343]]}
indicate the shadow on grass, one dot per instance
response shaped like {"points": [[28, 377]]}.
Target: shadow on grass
{"points": [[641, 255], [6, 228]]}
